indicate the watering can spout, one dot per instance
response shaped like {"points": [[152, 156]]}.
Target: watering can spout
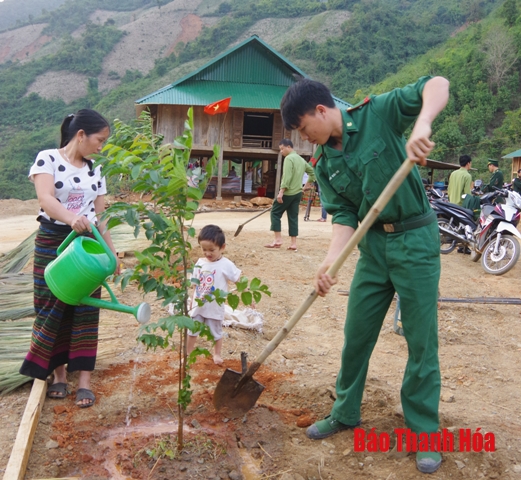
{"points": [[142, 311], [81, 266]]}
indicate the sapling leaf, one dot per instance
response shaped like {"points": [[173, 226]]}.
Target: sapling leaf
{"points": [[136, 170], [233, 300], [246, 298], [242, 284], [257, 296], [255, 284], [264, 289]]}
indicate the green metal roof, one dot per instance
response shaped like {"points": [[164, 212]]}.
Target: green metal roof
{"points": [[252, 73], [517, 153]]}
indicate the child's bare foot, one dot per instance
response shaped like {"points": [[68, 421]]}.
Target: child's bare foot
{"points": [[217, 360]]}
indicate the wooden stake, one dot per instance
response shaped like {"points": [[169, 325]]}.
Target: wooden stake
{"points": [[24, 438]]}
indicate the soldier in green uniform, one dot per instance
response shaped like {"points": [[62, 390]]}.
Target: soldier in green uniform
{"points": [[359, 151], [496, 180], [516, 183]]}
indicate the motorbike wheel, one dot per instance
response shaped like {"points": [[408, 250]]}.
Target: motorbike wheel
{"points": [[505, 259], [447, 243]]}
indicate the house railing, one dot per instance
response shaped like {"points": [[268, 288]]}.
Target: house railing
{"points": [[257, 141]]}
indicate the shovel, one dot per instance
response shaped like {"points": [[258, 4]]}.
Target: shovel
{"points": [[238, 392], [239, 229]]}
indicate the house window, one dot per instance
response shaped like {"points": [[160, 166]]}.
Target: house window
{"points": [[257, 130]]}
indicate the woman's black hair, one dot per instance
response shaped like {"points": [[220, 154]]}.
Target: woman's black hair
{"points": [[87, 120], [212, 233]]}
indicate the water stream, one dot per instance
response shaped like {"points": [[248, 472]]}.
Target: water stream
{"points": [[139, 351]]}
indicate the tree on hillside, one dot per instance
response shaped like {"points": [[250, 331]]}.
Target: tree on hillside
{"points": [[500, 56], [509, 12]]}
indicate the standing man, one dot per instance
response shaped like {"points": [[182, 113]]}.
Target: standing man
{"points": [[290, 193], [360, 150], [516, 182], [460, 181], [496, 180]]}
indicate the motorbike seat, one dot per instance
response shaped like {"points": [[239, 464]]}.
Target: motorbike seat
{"points": [[462, 209]]}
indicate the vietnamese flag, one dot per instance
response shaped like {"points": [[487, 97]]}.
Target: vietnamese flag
{"points": [[218, 107]]}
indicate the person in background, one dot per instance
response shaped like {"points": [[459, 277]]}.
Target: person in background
{"points": [[460, 181], [290, 193], [516, 182], [323, 215], [497, 179], [323, 211], [359, 151], [232, 172], [71, 194]]}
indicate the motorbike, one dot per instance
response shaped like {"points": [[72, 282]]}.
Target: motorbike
{"points": [[456, 218], [493, 238]]}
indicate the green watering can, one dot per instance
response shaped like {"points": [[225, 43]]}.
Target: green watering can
{"points": [[82, 265]]}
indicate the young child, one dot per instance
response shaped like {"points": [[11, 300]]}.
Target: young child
{"points": [[213, 271]]}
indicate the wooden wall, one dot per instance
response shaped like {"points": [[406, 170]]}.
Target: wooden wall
{"points": [[516, 165], [208, 130]]}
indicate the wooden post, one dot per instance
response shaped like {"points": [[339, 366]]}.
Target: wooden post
{"points": [[279, 173], [220, 175], [24, 438], [220, 162]]}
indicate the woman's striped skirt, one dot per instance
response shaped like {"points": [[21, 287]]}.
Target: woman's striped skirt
{"points": [[62, 334]]}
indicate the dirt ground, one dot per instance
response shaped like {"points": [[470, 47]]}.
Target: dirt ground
{"points": [[130, 431]]}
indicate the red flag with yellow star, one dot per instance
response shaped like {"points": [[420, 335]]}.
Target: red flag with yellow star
{"points": [[218, 107]]}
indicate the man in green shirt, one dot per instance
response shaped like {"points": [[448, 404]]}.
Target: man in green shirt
{"points": [[460, 181], [290, 193], [360, 150], [496, 180]]}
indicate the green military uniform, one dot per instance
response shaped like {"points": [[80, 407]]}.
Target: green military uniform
{"points": [[406, 261], [459, 183], [293, 172], [516, 184], [496, 181]]}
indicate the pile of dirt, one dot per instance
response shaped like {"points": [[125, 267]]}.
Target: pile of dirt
{"points": [[13, 207]]}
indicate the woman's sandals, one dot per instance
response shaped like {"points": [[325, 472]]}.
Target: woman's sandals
{"points": [[57, 391], [85, 394]]}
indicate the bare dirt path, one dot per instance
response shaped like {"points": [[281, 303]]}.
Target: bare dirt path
{"points": [[480, 348]]}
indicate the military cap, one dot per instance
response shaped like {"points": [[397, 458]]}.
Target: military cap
{"points": [[493, 162]]}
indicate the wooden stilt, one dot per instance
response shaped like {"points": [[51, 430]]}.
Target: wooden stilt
{"points": [[24, 438]]}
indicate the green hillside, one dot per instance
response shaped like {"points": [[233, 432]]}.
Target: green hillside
{"points": [[385, 43]]}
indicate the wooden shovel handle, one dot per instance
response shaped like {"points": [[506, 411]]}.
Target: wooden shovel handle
{"points": [[258, 215], [369, 219]]}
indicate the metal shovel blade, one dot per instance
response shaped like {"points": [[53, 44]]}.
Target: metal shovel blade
{"points": [[237, 399]]}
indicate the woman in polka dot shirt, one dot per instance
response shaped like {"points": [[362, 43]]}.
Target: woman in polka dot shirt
{"points": [[71, 196]]}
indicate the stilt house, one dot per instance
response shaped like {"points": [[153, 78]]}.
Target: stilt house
{"points": [[256, 77]]}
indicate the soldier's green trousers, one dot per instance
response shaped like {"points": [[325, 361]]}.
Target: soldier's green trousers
{"points": [[290, 204], [408, 263]]}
